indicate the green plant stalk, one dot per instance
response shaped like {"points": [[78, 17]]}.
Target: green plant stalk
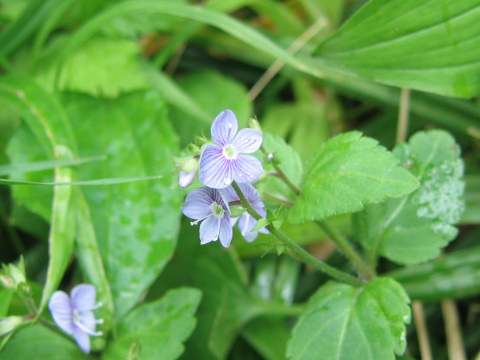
{"points": [[362, 268], [297, 249], [281, 174]]}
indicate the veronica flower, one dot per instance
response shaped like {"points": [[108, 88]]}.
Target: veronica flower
{"points": [[223, 162], [247, 222], [73, 314], [207, 205]]}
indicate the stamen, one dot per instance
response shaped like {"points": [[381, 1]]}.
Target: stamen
{"points": [[87, 330]]}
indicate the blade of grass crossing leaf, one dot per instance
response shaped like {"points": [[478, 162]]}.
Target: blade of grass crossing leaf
{"points": [[45, 165], [216, 19], [98, 182], [36, 12]]}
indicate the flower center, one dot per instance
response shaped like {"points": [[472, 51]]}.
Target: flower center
{"points": [[217, 210], [229, 152]]}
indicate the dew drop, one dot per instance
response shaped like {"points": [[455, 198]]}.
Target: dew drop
{"points": [[228, 180]]}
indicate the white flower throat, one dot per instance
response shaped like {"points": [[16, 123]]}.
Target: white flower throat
{"points": [[217, 210], [230, 152]]}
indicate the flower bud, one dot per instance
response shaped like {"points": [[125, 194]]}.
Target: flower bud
{"points": [[9, 324], [254, 124]]}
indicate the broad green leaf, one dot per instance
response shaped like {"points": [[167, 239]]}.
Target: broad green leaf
{"points": [[49, 123], [108, 66], [415, 228], [428, 45], [223, 93], [157, 329], [288, 160], [452, 276], [135, 223], [343, 322], [345, 174], [39, 343]]}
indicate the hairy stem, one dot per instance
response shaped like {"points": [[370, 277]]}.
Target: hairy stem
{"points": [[344, 245], [297, 249]]}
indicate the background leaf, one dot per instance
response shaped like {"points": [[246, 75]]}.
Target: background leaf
{"points": [[428, 45], [38, 342], [393, 228], [135, 224], [157, 329], [108, 67], [346, 173], [341, 322]]}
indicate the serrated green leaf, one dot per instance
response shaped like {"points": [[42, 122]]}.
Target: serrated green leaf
{"points": [[343, 322], [136, 224], [39, 343], [415, 228], [108, 67], [427, 45], [346, 173], [157, 329]]}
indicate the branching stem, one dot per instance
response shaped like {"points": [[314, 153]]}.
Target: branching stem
{"points": [[297, 249]]}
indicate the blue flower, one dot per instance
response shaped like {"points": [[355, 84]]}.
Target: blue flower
{"points": [[73, 314], [207, 205], [247, 222], [223, 162]]}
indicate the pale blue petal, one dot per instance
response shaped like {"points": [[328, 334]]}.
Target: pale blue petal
{"points": [[245, 225], [215, 169], [209, 230], [88, 323], [226, 232], [83, 297], [247, 141], [197, 204], [246, 169], [224, 127], [185, 178], [82, 339], [61, 309]]}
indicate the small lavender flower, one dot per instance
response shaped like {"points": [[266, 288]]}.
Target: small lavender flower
{"points": [[73, 314], [247, 222], [223, 162], [207, 205], [188, 169]]}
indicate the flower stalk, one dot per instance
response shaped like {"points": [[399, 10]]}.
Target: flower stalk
{"points": [[301, 253]]}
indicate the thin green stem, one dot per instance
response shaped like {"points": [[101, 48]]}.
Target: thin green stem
{"points": [[280, 173], [272, 308], [402, 126], [297, 249], [344, 245]]}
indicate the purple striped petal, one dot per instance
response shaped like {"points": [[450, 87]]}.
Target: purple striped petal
{"points": [[185, 178], [226, 232], [82, 339], [215, 170], [62, 312], [246, 169], [247, 140], [224, 127], [83, 297], [209, 230], [197, 204]]}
